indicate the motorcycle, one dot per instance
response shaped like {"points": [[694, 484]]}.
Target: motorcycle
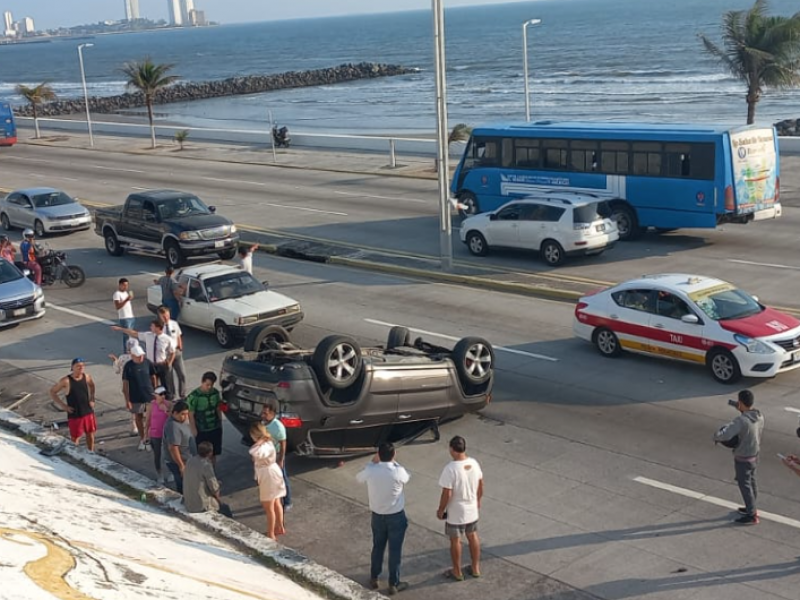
{"points": [[55, 268], [281, 136]]}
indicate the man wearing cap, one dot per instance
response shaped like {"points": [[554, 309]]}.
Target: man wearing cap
{"points": [[159, 349], [78, 389], [138, 387]]}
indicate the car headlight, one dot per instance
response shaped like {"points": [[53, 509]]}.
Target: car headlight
{"points": [[190, 235], [293, 308], [246, 320], [753, 345], [38, 294], [233, 228]]}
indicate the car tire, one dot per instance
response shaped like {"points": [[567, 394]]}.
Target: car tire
{"points": [[474, 360], [4, 221], [552, 252], [38, 229], [627, 222], [607, 342], [723, 366], [228, 254], [476, 243], [174, 254], [337, 361], [113, 246], [398, 336], [223, 334], [258, 337], [470, 202], [74, 276]]}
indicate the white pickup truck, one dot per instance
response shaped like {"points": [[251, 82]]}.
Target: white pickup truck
{"points": [[227, 301]]}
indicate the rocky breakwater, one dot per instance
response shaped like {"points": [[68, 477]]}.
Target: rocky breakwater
{"points": [[788, 128], [233, 86]]}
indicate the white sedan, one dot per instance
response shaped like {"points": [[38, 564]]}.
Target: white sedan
{"points": [[228, 301], [691, 318]]}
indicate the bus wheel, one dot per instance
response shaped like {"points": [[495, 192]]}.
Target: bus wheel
{"points": [[627, 223], [469, 203]]}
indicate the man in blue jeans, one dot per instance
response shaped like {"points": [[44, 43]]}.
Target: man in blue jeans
{"points": [[385, 481]]}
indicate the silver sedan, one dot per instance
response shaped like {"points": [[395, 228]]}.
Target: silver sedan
{"points": [[45, 210]]}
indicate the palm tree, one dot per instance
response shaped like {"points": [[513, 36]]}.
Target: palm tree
{"points": [[148, 78], [460, 133], [36, 95], [180, 137], [761, 51]]}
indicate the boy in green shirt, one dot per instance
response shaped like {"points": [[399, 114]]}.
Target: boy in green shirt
{"points": [[205, 413]]}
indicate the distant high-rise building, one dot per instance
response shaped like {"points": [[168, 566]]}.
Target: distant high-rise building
{"points": [[9, 21], [27, 26], [197, 18], [131, 10], [174, 12], [187, 8]]}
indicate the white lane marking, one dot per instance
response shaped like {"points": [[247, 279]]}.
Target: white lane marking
{"points": [[102, 168], [140, 188], [77, 313], [69, 178], [304, 208], [714, 500], [792, 410], [258, 183], [149, 273], [455, 339], [760, 264], [392, 198], [36, 160]]}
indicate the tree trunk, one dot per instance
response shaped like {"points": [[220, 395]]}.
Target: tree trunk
{"points": [[751, 111], [35, 121], [149, 101]]}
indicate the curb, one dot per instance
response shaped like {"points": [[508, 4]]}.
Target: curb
{"points": [[287, 561]]}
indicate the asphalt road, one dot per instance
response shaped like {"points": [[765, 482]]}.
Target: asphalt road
{"points": [[579, 452], [400, 214]]}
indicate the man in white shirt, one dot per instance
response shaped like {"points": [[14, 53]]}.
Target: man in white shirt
{"points": [[462, 489], [245, 258], [122, 302], [158, 348], [385, 480], [173, 329]]}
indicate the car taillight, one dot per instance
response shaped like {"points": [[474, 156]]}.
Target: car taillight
{"points": [[580, 306], [291, 421], [283, 385], [730, 203]]}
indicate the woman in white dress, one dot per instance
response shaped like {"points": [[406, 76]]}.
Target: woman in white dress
{"points": [[271, 487]]}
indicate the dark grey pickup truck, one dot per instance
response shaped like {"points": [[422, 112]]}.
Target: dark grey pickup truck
{"points": [[176, 224]]}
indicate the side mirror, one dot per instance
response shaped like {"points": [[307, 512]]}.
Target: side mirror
{"points": [[213, 209], [690, 319], [265, 283], [26, 272], [493, 217], [756, 299]]}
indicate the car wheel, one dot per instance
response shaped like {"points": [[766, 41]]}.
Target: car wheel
{"points": [[627, 222], [223, 334], [552, 253], [337, 361], [470, 204], [5, 222], [259, 337], [477, 244], [228, 254], [398, 336], [607, 343], [74, 276], [474, 358], [174, 255], [38, 228], [723, 365], [112, 244]]}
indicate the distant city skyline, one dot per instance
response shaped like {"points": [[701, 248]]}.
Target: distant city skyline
{"points": [[67, 13]]}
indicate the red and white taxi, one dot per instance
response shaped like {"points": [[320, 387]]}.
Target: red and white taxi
{"points": [[691, 318]]}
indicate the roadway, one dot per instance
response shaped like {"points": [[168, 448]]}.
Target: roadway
{"points": [[400, 214], [601, 475]]}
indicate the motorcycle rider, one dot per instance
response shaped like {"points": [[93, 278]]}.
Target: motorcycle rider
{"points": [[28, 250], [7, 249]]}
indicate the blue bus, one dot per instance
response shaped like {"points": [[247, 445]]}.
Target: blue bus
{"points": [[662, 176], [8, 133]]}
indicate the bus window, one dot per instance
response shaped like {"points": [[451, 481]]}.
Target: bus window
{"points": [[526, 153], [555, 154], [583, 156], [507, 157], [614, 158], [678, 160], [646, 158]]}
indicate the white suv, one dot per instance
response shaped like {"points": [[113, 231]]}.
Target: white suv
{"points": [[555, 224]]}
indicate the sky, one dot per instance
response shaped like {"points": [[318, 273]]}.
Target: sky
{"points": [[48, 14]]}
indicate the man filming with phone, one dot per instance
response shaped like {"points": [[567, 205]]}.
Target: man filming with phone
{"points": [[743, 434]]}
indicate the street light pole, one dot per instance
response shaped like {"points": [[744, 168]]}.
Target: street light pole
{"points": [[445, 226], [525, 65], [85, 93]]}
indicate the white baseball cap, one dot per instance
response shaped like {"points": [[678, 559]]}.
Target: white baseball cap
{"points": [[137, 351], [161, 390]]}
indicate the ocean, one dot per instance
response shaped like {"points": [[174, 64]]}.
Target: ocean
{"points": [[609, 60]]}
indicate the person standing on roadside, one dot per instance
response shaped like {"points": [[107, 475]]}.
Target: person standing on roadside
{"points": [[28, 251], [748, 426], [178, 442], [459, 506], [7, 249], [201, 489], [385, 481], [138, 387], [276, 429], [245, 258], [158, 411], [269, 477], [123, 299], [173, 329], [119, 362], [205, 413], [169, 291], [78, 390], [159, 349]]}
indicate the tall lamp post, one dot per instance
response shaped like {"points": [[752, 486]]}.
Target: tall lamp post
{"points": [[445, 226], [85, 93], [525, 65]]}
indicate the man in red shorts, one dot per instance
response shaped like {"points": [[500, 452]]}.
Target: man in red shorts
{"points": [[78, 390]]}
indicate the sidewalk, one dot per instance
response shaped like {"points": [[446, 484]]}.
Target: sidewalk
{"points": [[65, 534]]}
